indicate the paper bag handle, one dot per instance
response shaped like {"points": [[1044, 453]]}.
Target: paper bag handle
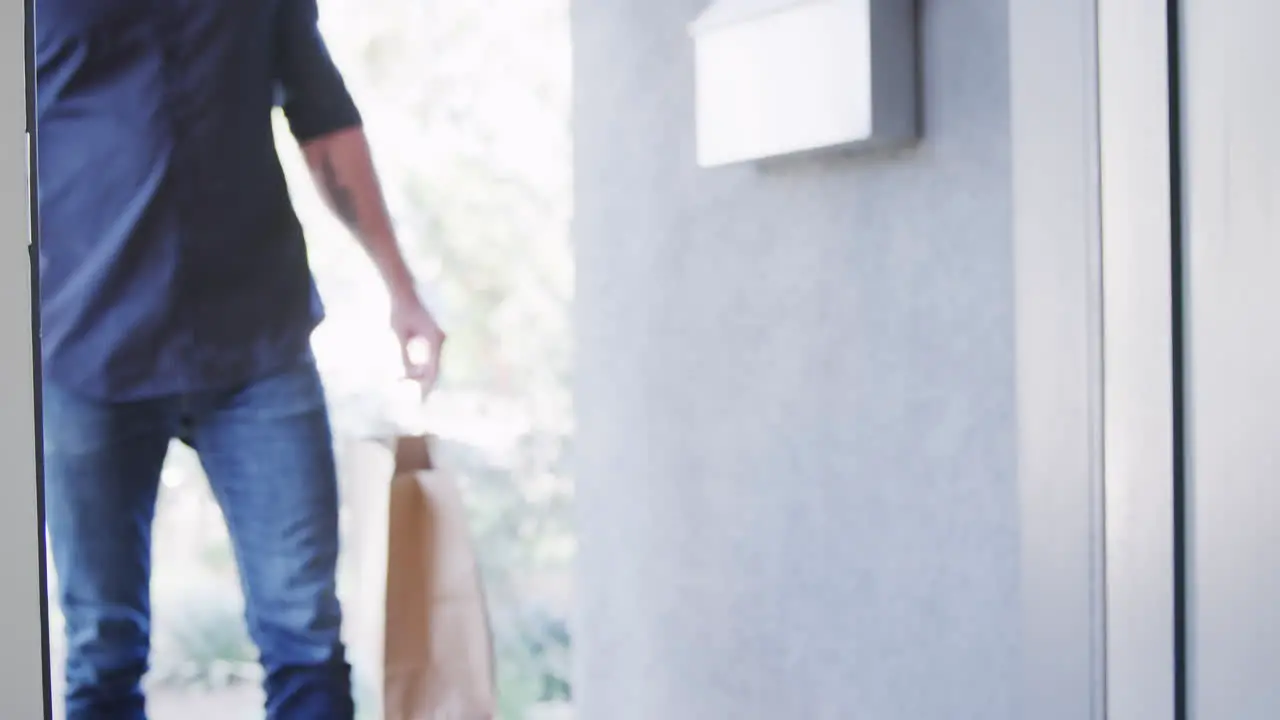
{"points": [[413, 454]]}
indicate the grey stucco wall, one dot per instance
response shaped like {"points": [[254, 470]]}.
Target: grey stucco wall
{"points": [[796, 461]]}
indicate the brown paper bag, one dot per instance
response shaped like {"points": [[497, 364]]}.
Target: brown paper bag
{"points": [[437, 660]]}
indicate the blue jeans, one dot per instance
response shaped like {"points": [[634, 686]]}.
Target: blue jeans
{"points": [[267, 451]]}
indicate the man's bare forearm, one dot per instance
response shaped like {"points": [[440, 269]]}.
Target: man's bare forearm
{"points": [[342, 167]]}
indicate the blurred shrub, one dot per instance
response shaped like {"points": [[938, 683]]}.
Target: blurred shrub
{"points": [[200, 641]]}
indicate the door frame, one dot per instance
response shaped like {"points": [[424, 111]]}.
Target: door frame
{"points": [[1092, 100], [24, 671], [1142, 398]]}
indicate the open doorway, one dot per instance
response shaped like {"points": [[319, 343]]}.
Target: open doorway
{"points": [[467, 106]]}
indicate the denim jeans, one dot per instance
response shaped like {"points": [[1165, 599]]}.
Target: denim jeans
{"points": [[267, 452]]}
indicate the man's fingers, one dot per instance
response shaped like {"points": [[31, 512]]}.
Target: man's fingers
{"points": [[422, 363], [418, 352]]}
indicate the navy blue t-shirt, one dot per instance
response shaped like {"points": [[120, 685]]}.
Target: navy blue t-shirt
{"points": [[171, 259]]}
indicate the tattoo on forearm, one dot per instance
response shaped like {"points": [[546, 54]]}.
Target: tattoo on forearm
{"points": [[344, 201]]}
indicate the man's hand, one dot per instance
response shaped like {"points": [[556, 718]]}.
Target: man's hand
{"points": [[342, 166], [421, 340]]}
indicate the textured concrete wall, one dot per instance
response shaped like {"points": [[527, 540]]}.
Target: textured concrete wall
{"points": [[797, 487]]}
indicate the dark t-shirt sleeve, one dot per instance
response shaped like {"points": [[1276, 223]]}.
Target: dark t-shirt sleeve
{"points": [[314, 96]]}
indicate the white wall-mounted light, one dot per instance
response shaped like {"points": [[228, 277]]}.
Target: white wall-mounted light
{"points": [[776, 77]]}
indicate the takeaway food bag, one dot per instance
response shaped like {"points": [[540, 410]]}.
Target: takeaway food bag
{"points": [[417, 614]]}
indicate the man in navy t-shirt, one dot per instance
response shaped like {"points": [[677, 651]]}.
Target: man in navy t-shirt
{"points": [[177, 302]]}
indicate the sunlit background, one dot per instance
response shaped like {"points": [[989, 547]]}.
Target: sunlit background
{"points": [[467, 106]]}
